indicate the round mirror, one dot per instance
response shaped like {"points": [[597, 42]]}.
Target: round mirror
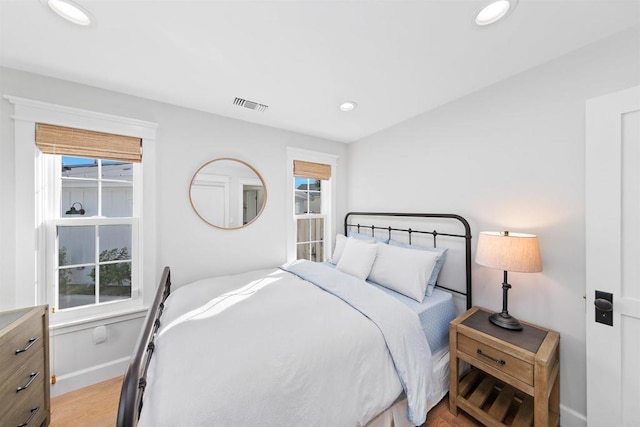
{"points": [[227, 193]]}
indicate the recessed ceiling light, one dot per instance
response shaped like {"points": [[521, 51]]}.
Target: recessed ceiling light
{"points": [[494, 12], [70, 11], [348, 106]]}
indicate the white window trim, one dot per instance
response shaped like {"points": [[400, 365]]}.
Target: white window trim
{"points": [[328, 195], [31, 289]]}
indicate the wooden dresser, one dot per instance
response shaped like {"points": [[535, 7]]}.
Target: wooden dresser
{"points": [[24, 367]]}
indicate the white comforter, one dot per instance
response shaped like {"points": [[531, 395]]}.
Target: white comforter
{"points": [[266, 348]]}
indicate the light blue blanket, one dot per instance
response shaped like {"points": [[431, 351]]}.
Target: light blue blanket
{"points": [[399, 325]]}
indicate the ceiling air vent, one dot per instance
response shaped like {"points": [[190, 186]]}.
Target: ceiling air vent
{"points": [[250, 104]]}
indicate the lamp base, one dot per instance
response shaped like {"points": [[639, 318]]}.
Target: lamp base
{"points": [[506, 321]]}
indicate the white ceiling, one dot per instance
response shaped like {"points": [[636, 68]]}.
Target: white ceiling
{"points": [[302, 58]]}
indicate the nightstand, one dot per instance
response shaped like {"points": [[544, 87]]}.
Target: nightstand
{"points": [[514, 377]]}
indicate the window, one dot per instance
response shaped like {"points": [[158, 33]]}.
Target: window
{"points": [[90, 204], [108, 136], [95, 228], [311, 204], [309, 219]]}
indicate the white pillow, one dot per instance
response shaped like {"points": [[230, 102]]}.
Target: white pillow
{"points": [[357, 258], [403, 270], [442, 252], [341, 240]]}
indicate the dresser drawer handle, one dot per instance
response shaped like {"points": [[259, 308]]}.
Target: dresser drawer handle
{"points": [[34, 411], [32, 341], [498, 361], [32, 378]]}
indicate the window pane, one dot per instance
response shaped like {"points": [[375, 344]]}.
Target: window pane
{"points": [[117, 199], [301, 202], [310, 229], [115, 281], [300, 183], [315, 202], [312, 251], [317, 229], [78, 194], [76, 287], [307, 195], [317, 253], [115, 242], [303, 251], [112, 169], [314, 185], [79, 167], [76, 245], [303, 230]]}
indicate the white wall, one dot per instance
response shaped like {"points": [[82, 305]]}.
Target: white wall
{"points": [[186, 139], [510, 157]]}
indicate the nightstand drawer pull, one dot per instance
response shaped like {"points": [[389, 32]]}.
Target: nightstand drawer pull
{"points": [[34, 411], [32, 378], [32, 341], [498, 361]]}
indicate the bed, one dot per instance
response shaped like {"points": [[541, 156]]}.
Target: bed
{"points": [[346, 342]]}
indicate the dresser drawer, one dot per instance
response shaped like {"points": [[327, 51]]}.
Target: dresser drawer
{"points": [[490, 356], [31, 410], [24, 367], [29, 376], [27, 339]]}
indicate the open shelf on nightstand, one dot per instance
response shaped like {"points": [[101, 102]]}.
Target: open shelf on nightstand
{"points": [[494, 402]]}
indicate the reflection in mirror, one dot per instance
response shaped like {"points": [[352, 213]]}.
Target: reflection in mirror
{"points": [[227, 193]]}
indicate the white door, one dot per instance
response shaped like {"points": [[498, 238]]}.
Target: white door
{"points": [[613, 257], [211, 200]]}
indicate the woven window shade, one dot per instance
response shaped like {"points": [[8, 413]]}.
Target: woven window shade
{"points": [[66, 141], [311, 170]]}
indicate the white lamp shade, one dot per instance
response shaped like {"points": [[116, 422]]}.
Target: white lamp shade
{"points": [[509, 251]]}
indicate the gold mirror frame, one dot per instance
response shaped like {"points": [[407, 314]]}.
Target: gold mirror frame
{"points": [[201, 214]]}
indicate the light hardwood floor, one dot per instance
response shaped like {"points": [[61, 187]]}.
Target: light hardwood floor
{"points": [[97, 405], [93, 406]]}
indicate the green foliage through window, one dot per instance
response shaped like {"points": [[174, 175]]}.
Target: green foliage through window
{"points": [[64, 274], [117, 273]]}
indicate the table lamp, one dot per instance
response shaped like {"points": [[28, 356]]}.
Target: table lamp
{"points": [[509, 252]]}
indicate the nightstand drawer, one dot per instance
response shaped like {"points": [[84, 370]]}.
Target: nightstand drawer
{"points": [[492, 357]]}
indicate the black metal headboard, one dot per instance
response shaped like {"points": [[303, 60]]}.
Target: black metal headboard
{"points": [[466, 236]]}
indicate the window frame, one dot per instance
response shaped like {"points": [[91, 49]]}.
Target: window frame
{"points": [[328, 204], [30, 267], [313, 215], [51, 210]]}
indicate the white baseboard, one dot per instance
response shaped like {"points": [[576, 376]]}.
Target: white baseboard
{"points": [[86, 377], [571, 418]]}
